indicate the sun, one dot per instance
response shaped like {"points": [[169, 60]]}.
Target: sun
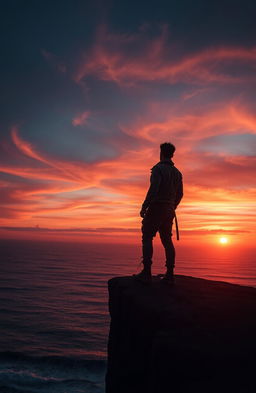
{"points": [[223, 240]]}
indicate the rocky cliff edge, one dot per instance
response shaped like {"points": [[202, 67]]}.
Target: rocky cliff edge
{"points": [[194, 336]]}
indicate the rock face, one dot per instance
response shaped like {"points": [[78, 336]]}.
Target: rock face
{"points": [[195, 336]]}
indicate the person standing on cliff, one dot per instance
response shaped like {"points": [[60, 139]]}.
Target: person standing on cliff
{"points": [[158, 211]]}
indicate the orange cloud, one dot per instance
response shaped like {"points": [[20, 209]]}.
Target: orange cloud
{"points": [[104, 196], [155, 60], [194, 124], [219, 189], [81, 119]]}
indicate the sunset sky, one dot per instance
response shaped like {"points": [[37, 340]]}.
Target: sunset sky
{"points": [[89, 90]]}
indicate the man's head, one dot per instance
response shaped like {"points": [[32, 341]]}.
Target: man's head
{"points": [[166, 151]]}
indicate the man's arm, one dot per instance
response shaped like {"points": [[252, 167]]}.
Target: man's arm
{"points": [[155, 180], [179, 193]]}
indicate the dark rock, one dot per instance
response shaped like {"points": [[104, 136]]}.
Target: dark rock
{"points": [[195, 336]]}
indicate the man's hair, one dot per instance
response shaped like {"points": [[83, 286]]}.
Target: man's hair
{"points": [[167, 149]]}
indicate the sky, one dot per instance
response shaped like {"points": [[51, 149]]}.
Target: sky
{"points": [[90, 89]]}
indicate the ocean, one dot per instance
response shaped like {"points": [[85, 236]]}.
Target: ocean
{"points": [[54, 306]]}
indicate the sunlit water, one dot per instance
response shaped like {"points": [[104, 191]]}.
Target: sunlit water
{"points": [[54, 313]]}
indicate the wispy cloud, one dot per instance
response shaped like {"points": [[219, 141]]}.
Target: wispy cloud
{"points": [[128, 59], [206, 114], [81, 119]]}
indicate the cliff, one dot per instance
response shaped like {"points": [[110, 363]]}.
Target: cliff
{"points": [[195, 336]]}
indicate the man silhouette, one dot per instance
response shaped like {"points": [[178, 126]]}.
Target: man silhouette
{"points": [[158, 211]]}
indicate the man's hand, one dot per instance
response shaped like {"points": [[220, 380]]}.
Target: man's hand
{"points": [[143, 212]]}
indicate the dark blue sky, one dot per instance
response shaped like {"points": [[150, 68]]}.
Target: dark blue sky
{"points": [[65, 29]]}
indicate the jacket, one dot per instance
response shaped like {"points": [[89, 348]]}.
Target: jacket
{"points": [[166, 185]]}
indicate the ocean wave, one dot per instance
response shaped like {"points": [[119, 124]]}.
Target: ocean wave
{"points": [[76, 361], [38, 374]]}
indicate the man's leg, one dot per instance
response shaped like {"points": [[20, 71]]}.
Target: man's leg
{"points": [[147, 253], [147, 248], [149, 229], [165, 232]]}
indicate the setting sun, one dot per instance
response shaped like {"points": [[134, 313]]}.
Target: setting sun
{"points": [[223, 240]]}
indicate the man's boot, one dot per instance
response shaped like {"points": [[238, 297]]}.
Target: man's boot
{"points": [[168, 278], [145, 275]]}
